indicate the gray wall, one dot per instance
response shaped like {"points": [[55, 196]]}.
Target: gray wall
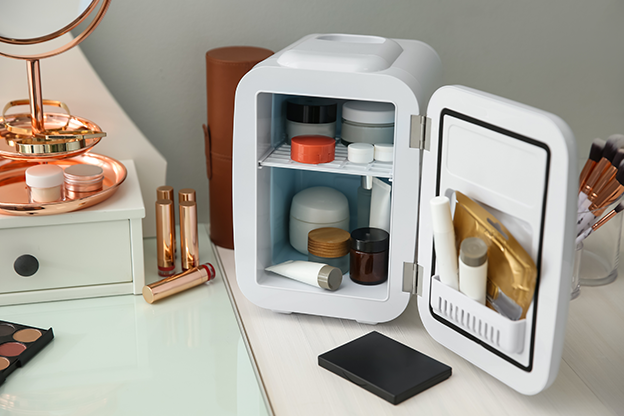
{"points": [[563, 56]]}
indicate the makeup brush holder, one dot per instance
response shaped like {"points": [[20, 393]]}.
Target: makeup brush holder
{"points": [[576, 272], [600, 253]]}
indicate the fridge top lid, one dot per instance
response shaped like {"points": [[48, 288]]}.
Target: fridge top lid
{"points": [[342, 53]]}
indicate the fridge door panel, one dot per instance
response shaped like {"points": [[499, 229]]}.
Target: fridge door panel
{"points": [[519, 163]]}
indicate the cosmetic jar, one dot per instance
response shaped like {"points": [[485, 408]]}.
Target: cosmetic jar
{"points": [[312, 149], [330, 246], [369, 256], [45, 183], [384, 152], [360, 153], [83, 180], [313, 208], [308, 115], [367, 122]]}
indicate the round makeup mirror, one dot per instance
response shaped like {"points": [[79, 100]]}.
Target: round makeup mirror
{"points": [[51, 17], [28, 24]]}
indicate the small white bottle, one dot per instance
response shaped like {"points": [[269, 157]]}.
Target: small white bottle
{"points": [[473, 264]]}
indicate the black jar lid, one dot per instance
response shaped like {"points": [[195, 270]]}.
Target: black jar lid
{"points": [[370, 240], [311, 110]]}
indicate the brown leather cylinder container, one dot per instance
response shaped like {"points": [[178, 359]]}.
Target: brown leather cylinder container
{"points": [[224, 69]]}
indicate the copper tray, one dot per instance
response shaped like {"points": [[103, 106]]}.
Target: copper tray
{"points": [[51, 121], [14, 198]]}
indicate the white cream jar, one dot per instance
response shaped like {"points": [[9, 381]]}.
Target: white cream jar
{"points": [[313, 208], [367, 122], [45, 183]]}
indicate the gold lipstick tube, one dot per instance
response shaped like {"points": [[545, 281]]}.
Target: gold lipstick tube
{"points": [[188, 234], [178, 283], [164, 192], [186, 194], [165, 237]]}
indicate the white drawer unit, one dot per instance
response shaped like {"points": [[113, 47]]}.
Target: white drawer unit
{"points": [[94, 252], [516, 161]]}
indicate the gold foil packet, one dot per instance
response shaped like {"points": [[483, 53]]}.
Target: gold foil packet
{"points": [[510, 268]]}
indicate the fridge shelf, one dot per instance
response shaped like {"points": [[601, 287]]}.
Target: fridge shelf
{"points": [[280, 158]]}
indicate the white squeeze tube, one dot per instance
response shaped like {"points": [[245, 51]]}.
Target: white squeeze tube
{"points": [[380, 205], [444, 239], [315, 274]]}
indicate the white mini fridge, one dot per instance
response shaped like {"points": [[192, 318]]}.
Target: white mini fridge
{"points": [[516, 161]]}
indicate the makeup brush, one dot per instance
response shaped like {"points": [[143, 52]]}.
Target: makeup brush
{"points": [[611, 192], [595, 153], [608, 176], [600, 223], [613, 143]]}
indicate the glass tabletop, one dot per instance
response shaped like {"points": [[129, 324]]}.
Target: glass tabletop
{"points": [[121, 355]]}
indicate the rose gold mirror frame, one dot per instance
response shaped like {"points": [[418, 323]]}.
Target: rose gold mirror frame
{"points": [[32, 61], [55, 34]]}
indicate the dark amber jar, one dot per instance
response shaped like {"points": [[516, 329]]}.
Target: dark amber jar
{"points": [[369, 256]]}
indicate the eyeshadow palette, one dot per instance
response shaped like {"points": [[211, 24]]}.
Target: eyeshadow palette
{"points": [[385, 367], [18, 344]]}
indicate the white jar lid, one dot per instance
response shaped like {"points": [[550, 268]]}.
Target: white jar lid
{"points": [[44, 176], [383, 152], [320, 204], [360, 152], [368, 112]]}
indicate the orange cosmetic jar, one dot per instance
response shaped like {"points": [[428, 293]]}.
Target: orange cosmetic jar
{"points": [[312, 149]]}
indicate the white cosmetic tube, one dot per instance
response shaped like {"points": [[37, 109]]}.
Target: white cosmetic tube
{"points": [[444, 238], [314, 274], [473, 264], [380, 205]]}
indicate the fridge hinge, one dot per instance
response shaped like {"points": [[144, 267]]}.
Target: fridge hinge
{"points": [[412, 278], [420, 132]]}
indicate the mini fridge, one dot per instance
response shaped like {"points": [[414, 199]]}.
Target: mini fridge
{"points": [[516, 161]]}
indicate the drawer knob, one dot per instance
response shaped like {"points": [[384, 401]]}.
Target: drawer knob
{"points": [[26, 265]]}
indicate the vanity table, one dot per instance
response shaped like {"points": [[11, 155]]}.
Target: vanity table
{"points": [[286, 347]]}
